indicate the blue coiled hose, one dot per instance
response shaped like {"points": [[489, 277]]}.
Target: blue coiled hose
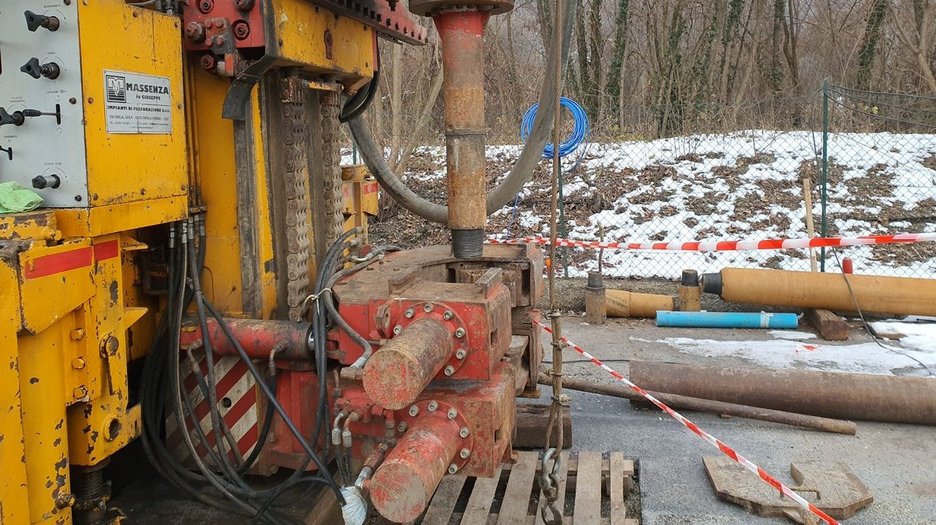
{"points": [[573, 141]]}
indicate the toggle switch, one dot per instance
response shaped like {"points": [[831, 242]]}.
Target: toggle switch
{"points": [[34, 22], [33, 68]]}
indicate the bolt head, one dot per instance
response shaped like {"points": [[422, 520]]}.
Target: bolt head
{"points": [[78, 363], [449, 370], [401, 428], [427, 307], [453, 468], [452, 413], [397, 330], [409, 313], [433, 406], [459, 333], [463, 432], [414, 410], [448, 315], [464, 453], [460, 353], [80, 392]]}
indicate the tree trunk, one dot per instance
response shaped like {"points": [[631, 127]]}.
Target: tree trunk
{"points": [[615, 86], [869, 43]]}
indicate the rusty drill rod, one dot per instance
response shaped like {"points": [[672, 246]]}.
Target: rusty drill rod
{"points": [[868, 397], [835, 426]]}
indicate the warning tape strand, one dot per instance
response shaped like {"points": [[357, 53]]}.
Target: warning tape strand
{"points": [[712, 440], [728, 246]]}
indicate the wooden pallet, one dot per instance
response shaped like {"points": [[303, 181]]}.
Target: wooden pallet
{"points": [[592, 491]]}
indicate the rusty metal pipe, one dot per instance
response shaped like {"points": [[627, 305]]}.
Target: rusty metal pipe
{"points": [[835, 426], [399, 371], [257, 337], [873, 293], [869, 397], [462, 38], [403, 485]]}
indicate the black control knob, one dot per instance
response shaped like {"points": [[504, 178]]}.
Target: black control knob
{"points": [[41, 182], [34, 22], [33, 68], [17, 118]]}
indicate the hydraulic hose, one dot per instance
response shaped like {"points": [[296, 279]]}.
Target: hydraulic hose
{"points": [[520, 174]]}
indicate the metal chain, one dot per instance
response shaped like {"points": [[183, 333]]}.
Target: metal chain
{"points": [[295, 177], [331, 166]]}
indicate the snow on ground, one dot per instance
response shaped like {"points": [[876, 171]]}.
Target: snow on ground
{"points": [[921, 336], [791, 335], [743, 185], [868, 358]]}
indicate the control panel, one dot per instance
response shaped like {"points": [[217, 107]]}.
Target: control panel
{"points": [[42, 142]]}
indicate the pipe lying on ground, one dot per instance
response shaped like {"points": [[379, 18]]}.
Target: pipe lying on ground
{"points": [[884, 295], [716, 407], [868, 397], [726, 319], [631, 304]]}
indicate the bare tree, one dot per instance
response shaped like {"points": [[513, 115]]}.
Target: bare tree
{"points": [[916, 33]]}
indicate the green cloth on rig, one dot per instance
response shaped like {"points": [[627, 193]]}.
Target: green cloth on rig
{"points": [[15, 198]]}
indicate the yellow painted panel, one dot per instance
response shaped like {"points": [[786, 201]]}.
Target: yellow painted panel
{"points": [[36, 225], [42, 387], [301, 27], [13, 494], [62, 272], [130, 167], [217, 172], [103, 220]]}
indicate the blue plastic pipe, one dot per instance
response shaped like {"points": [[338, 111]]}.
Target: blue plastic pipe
{"points": [[726, 319]]}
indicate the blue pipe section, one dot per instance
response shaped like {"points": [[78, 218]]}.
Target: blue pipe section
{"points": [[726, 319], [579, 132]]}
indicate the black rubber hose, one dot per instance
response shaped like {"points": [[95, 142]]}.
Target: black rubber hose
{"points": [[520, 174]]}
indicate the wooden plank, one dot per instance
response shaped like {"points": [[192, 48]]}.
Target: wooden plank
{"points": [[617, 489], [444, 500], [480, 501], [516, 499], [831, 327], [588, 489], [560, 496], [532, 419]]}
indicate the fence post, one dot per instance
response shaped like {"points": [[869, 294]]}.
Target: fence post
{"points": [[825, 168], [563, 226]]}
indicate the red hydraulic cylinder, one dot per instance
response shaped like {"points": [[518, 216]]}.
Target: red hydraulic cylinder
{"points": [[403, 485], [257, 337], [399, 371]]}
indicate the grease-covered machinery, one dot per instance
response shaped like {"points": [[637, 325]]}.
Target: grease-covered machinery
{"points": [[187, 277]]}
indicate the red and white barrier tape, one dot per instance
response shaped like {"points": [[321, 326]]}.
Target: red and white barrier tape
{"points": [[730, 246], [728, 451]]}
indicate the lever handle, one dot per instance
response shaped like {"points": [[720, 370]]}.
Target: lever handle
{"points": [[17, 118], [33, 68], [35, 21]]}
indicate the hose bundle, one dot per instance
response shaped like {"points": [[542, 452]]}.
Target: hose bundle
{"points": [[570, 144]]}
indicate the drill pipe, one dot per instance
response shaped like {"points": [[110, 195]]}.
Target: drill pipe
{"points": [[715, 407], [462, 38], [868, 397], [633, 304], [403, 485], [399, 371], [884, 295]]}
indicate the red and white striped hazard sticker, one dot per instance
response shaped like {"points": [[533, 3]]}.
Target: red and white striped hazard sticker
{"points": [[712, 440], [730, 246], [236, 390]]}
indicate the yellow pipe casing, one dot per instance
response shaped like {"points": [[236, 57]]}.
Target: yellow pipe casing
{"points": [[632, 304], [884, 295]]}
